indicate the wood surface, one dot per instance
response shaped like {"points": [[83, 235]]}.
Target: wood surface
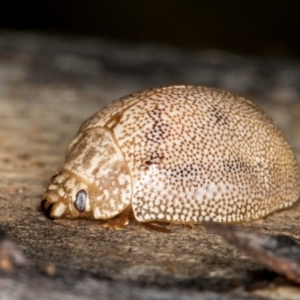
{"points": [[48, 87]]}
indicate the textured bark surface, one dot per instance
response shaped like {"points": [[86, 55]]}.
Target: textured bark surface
{"points": [[48, 87]]}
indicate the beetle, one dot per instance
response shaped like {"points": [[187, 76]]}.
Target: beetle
{"points": [[179, 154]]}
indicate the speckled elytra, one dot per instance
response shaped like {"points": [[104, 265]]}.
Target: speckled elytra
{"points": [[182, 154]]}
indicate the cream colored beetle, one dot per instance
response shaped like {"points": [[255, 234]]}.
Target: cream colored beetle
{"points": [[182, 154]]}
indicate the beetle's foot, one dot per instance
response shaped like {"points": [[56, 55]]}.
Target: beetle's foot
{"points": [[117, 223]]}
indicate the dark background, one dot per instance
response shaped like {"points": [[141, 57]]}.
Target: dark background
{"points": [[261, 27]]}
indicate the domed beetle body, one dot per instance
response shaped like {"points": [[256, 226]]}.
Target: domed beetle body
{"points": [[182, 154]]}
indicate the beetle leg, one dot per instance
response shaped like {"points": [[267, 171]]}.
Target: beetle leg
{"points": [[155, 227], [120, 220]]}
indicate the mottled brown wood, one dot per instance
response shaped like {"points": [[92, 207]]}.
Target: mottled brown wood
{"points": [[280, 253], [48, 86]]}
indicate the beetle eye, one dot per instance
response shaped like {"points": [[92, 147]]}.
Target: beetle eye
{"points": [[80, 201]]}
